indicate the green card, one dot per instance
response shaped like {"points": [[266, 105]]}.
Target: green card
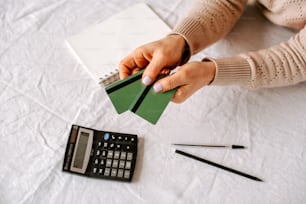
{"points": [[131, 94], [152, 105], [123, 93]]}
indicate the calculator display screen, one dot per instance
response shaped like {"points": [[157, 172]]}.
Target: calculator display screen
{"points": [[81, 150]]}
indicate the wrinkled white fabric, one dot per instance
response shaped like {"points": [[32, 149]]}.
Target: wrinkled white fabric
{"points": [[43, 90]]}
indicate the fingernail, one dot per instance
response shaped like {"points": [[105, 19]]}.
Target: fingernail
{"points": [[157, 88], [146, 80]]}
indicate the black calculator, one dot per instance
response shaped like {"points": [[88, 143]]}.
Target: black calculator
{"points": [[101, 154]]}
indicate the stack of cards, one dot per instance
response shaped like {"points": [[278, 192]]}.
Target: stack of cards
{"points": [[131, 94]]}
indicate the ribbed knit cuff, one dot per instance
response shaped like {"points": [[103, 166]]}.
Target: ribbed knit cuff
{"points": [[231, 71]]}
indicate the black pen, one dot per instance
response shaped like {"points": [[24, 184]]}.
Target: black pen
{"points": [[202, 145], [218, 165]]}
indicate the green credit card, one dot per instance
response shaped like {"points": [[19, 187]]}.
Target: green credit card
{"points": [[131, 94], [124, 92]]}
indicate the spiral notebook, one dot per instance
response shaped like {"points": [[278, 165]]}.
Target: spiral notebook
{"points": [[100, 47]]}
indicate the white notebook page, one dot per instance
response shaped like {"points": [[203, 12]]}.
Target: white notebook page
{"points": [[101, 47]]}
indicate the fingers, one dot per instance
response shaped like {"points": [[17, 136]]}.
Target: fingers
{"points": [[169, 83], [134, 62], [178, 79], [165, 71], [155, 56], [189, 78], [182, 93], [126, 68], [138, 60], [154, 68]]}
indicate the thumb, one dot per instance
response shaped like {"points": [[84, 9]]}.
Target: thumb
{"points": [[168, 83], [153, 69]]}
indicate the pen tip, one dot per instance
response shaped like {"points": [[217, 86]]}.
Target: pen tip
{"points": [[238, 147]]}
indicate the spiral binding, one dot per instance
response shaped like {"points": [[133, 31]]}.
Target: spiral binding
{"points": [[109, 78]]}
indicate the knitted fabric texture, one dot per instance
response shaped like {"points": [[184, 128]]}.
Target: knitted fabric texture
{"points": [[284, 64]]}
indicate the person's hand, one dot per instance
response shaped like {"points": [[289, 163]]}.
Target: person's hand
{"points": [[158, 57], [189, 78]]}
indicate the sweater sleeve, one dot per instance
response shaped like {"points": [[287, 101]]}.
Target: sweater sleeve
{"points": [[280, 65], [208, 21]]}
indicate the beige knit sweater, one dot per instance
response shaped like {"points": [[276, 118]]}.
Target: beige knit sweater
{"points": [[280, 65]]}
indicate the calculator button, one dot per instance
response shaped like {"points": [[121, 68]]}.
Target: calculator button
{"points": [[103, 153], [129, 156], [127, 174], [100, 171], [116, 155], [94, 170], [128, 147], [115, 164], [110, 154], [106, 136], [96, 161], [126, 138], [108, 163], [128, 165], [107, 172], [111, 146], [118, 146], [120, 138], [99, 144], [120, 173], [98, 152], [113, 137], [121, 164], [123, 155], [102, 163], [105, 144], [114, 172]]}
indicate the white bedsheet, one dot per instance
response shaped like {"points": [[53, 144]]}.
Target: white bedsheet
{"points": [[43, 90]]}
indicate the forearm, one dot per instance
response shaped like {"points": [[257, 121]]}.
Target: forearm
{"points": [[208, 21], [280, 65]]}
